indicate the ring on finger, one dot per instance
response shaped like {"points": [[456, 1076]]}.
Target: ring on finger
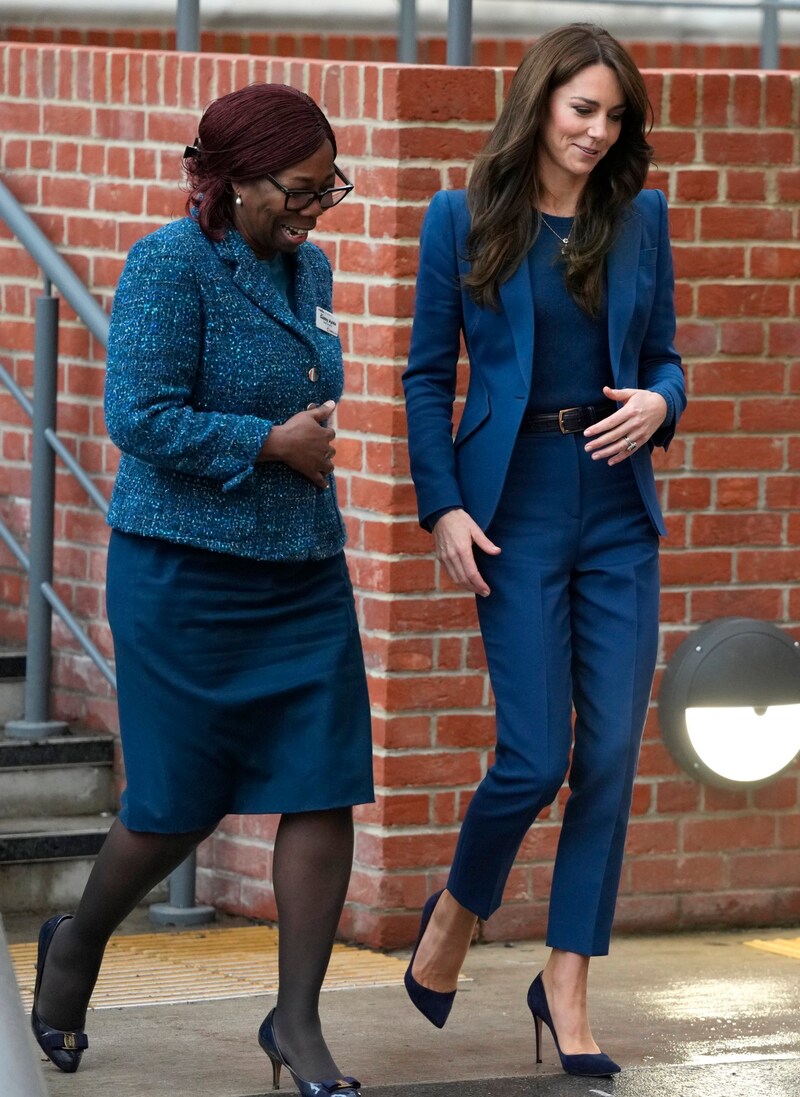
{"points": [[631, 445]]}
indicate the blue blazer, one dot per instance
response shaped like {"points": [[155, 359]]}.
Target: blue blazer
{"points": [[204, 355], [469, 471]]}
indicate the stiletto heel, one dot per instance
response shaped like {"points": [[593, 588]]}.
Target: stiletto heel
{"points": [[344, 1087], [276, 1071], [433, 1004], [590, 1066], [537, 1028], [64, 1049]]}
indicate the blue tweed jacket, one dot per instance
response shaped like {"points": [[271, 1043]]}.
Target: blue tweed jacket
{"points": [[204, 356]]}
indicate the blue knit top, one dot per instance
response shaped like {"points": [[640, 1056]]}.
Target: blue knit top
{"points": [[204, 355], [571, 359]]}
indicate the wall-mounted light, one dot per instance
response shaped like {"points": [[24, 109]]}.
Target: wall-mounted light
{"points": [[729, 705]]}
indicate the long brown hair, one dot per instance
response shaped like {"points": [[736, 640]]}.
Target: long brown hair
{"points": [[504, 189]]}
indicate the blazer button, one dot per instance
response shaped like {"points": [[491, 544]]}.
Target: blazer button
{"points": [[313, 374], [311, 406]]}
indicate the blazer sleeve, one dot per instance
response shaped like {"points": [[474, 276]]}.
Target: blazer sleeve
{"points": [[154, 353], [660, 367], [430, 379]]}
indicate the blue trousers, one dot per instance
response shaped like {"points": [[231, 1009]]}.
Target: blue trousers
{"points": [[572, 620]]}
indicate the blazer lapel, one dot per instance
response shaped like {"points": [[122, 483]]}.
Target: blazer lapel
{"points": [[516, 295], [306, 293], [256, 284], [623, 267]]}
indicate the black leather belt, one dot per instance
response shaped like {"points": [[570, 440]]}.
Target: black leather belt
{"points": [[568, 420]]}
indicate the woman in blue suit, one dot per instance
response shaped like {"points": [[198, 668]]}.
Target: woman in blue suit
{"points": [[555, 267], [241, 684]]}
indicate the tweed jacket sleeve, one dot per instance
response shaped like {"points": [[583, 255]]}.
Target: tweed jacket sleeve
{"points": [[154, 352]]}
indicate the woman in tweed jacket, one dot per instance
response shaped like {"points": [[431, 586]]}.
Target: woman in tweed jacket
{"points": [[241, 683]]}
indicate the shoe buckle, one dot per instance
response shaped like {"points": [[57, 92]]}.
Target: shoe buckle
{"points": [[70, 1043], [561, 414]]}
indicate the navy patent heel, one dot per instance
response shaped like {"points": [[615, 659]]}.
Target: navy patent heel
{"points": [[433, 1004], [588, 1066], [63, 1049], [343, 1087]]}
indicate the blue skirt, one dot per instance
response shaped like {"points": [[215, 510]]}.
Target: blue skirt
{"points": [[240, 684]]}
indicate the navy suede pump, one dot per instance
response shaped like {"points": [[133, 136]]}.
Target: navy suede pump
{"points": [[588, 1066], [63, 1049], [433, 1004]]}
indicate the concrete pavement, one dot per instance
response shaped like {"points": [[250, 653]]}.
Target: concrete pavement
{"points": [[700, 1015]]}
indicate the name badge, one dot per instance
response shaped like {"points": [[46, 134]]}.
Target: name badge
{"points": [[327, 321]]}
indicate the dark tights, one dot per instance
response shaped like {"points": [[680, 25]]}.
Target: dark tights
{"points": [[311, 870], [310, 873]]}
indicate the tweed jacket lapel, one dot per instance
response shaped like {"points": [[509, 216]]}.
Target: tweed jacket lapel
{"points": [[254, 281]]}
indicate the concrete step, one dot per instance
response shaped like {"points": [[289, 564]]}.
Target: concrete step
{"points": [[52, 838], [65, 775], [56, 796], [12, 686], [45, 862]]}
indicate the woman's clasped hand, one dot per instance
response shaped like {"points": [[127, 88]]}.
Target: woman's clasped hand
{"points": [[640, 416], [305, 443]]}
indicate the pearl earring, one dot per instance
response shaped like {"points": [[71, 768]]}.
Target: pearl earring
{"points": [[238, 200]]}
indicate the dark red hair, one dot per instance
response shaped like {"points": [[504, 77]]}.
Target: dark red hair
{"points": [[243, 136]]}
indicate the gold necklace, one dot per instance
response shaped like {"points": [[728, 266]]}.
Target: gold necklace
{"points": [[563, 239]]}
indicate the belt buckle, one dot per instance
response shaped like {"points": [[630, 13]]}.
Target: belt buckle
{"points": [[561, 414]]}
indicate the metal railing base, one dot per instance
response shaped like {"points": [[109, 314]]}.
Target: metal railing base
{"points": [[165, 914], [35, 729], [182, 910]]}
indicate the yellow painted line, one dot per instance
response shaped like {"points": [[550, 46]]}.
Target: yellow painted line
{"points": [[206, 965], [780, 946]]}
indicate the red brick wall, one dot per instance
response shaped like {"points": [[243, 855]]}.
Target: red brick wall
{"points": [[383, 47], [91, 140]]}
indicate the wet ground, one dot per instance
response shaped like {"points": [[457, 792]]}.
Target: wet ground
{"points": [[755, 1079], [700, 1015]]}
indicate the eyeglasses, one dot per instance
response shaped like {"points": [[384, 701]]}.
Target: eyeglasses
{"points": [[302, 199]]}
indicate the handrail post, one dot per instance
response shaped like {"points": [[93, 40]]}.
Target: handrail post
{"points": [[181, 910], [35, 723], [407, 33], [187, 26], [770, 50], [459, 32]]}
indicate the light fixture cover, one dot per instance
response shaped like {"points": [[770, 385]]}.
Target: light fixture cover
{"points": [[729, 705]]}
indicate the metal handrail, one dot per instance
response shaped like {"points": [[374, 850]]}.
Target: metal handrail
{"points": [[53, 266], [187, 26], [459, 25], [46, 443]]}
